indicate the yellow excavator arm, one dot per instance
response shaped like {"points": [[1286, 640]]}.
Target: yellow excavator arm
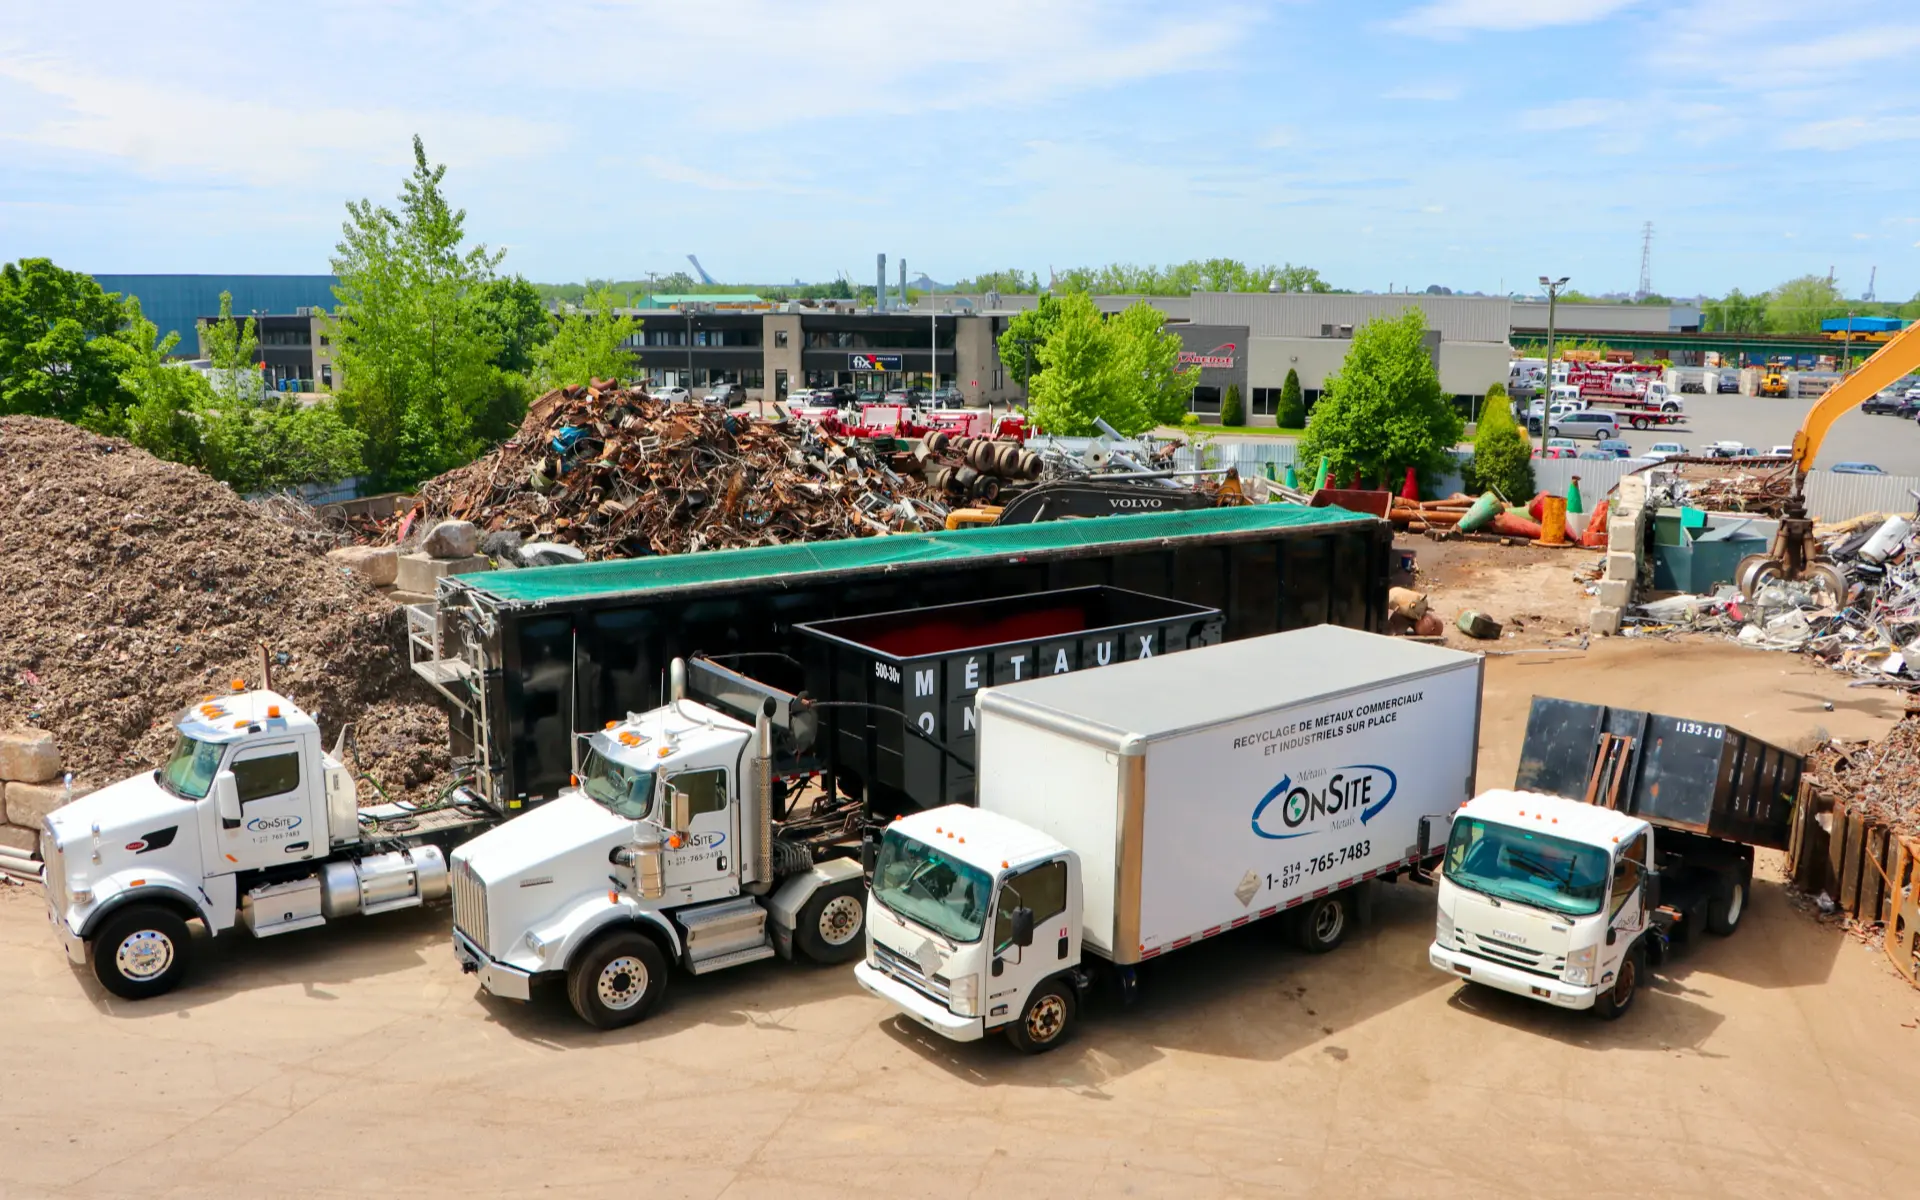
{"points": [[1900, 356]]}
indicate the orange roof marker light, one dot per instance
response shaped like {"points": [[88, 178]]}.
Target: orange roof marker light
{"points": [[239, 685]]}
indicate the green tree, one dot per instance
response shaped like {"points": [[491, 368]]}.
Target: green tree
{"points": [[586, 345], [1124, 370], [516, 321], [1013, 282], [1799, 305], [1231, 411], [1292, 412], [1502, 457], [167, 398], [415, 348], [255, 440], [1384, 410], [1019, 345], [1736, 312], [1178, 279], [60, 355]]}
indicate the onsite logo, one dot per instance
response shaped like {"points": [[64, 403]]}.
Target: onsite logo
{"points": [[273, 824], [1210, 358], [706, 839], [1361, 790]]}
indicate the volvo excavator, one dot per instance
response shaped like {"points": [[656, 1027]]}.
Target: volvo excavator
{"points": [[1794, 554]]}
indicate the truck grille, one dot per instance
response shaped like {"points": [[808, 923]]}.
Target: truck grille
{"points": [[53, 872], [900, 967], [470, 906], [1534, 962]]}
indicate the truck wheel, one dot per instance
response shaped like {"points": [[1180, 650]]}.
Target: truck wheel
{"points": [[140, 952], [618, 980], [1728, 903], [831, 923], [1611, 1006], [1046, 1021], [1321, 924]]}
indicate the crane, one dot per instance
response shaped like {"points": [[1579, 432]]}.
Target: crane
{"points": [[1794, 554], [704, 277]]}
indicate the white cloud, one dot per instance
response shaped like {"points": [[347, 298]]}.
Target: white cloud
{"points": [[1451, 18], [1428, 92], [1847, 133]]}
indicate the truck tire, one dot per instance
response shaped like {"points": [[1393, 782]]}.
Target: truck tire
{"points": [[1728, 905], [1613, 1005], [1046, 1021], [831, 922], [140, 951], [1321, 925], [617, 980]]}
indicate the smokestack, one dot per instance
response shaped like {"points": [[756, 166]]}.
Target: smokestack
{"points": [[880, 284], [903, 284]]}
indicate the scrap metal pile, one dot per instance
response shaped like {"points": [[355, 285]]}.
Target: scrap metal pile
{"points": [[619, 474], [1761, 486], [1880, 780]]}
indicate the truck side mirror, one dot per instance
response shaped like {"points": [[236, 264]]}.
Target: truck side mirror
{"points": [[226, 799], [1428, 824], [1653, 889], [1022, 919], [681, 807], [580, 747]]}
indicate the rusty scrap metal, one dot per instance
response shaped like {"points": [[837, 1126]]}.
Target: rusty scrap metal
{"points": [[1880, 780]]}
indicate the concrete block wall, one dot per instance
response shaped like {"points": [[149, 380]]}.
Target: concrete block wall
{"points": [[1626, 553]]}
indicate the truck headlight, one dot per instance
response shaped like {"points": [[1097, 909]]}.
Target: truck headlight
{"points": [[538, 947], [1579, 970], [963, 996], [1443, 929], [82, 895]]}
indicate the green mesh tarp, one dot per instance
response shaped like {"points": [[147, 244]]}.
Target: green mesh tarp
{"points": [[671, 572]]}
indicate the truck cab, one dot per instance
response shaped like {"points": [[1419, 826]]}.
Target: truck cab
{"points": [[249, 822], [974, 927], [661, 853]]}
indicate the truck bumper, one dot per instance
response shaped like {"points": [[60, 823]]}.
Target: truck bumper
{"points": [[1509, 979], [496, 977], [71, 942], [941, 1020]]}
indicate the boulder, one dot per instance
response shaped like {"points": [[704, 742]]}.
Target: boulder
{"points": [[377, 563], [502, 545], [452, 539], [551, 554], [29, 803], [15, 838], [28, 755]]}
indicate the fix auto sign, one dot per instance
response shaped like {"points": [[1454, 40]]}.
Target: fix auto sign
{"points": [[1219, 356], [873, 362]]}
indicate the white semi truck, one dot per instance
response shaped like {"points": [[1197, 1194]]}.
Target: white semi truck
{"points": [[250, 823], [1627, 831], [1126, 814]]}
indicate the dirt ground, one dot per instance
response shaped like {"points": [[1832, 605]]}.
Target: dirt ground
{"points": [[1539, 596], [358, 1060]]}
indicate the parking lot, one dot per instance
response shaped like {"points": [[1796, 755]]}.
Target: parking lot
{"points": [[343, 1062], [1762, 422]]}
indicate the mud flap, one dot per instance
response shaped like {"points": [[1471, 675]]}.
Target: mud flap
{"points": [[1361, 896]]}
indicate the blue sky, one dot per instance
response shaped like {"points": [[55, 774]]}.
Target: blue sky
{"points": [[1473, 143]]}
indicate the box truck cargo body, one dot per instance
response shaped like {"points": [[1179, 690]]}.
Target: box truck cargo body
{"points": [[1173, 799]]}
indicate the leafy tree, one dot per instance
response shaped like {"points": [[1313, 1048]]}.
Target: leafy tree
{"points": [[1020, 344], [1012, 281], [1502, 457], [1231, 411], [59, 353], [586, 346], [415, 348], [1125, 370], [1292, 412], [1799, 305], [1384, 411], [516, 321], [167, 398], [254, 440], [1178, 279], [1737, 312]]}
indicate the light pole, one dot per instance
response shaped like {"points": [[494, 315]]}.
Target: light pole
{"points": [[1846, 352], [1553, 287], [260, 339]]}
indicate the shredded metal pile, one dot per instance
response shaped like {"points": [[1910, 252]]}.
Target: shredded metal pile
{"points": [[135, 586], [619, 474], [1878, 779]]}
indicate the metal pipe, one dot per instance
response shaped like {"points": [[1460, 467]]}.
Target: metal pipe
{"points": [[763, 792], [677, 681]]}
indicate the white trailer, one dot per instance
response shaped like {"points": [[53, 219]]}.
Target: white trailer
{"points": [[1129, 813]]}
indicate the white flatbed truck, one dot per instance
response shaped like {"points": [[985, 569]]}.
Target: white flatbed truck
{"points": [[1127, 814]]}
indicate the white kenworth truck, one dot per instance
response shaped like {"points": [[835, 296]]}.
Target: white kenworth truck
{"points": [[1625, 833], [1126, 814], [249, 823], [666, 852]]}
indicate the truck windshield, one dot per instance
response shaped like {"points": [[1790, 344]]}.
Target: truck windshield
{"points": [[190, 768], [625, 790], [1527, 867], [920, 884]]}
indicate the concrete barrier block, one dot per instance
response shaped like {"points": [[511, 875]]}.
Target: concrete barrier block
{"points": [[1622, 532], [1631, 492], [422, 573], [15, 838], [29, 803], [28, 755], [379, 564], [1604, 621], [1622, 566], [1615, 593]]}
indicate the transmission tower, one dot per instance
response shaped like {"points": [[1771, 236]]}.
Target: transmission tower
{"points": [[1646, 262], [1873, 277]]}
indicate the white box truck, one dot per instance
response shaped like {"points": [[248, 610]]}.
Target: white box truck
{"points": [[1125, 814]]}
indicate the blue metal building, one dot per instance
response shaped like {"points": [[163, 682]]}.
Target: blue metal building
{"points": [[175, 302]]}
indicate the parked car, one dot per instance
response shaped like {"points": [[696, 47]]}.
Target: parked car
{"points": [[1781, 451], [1731, 450], [1554, 452], [1564, 443], [670, 393], [727, 395], [837, 393], [799, 396], [947, 397], [869, 397], [907, 396], [1729, 383], [1855, 468], [1616, 448], [1913, 393], [1886, 403], [1597, 424], [1600, 455], [1666, 450]]}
